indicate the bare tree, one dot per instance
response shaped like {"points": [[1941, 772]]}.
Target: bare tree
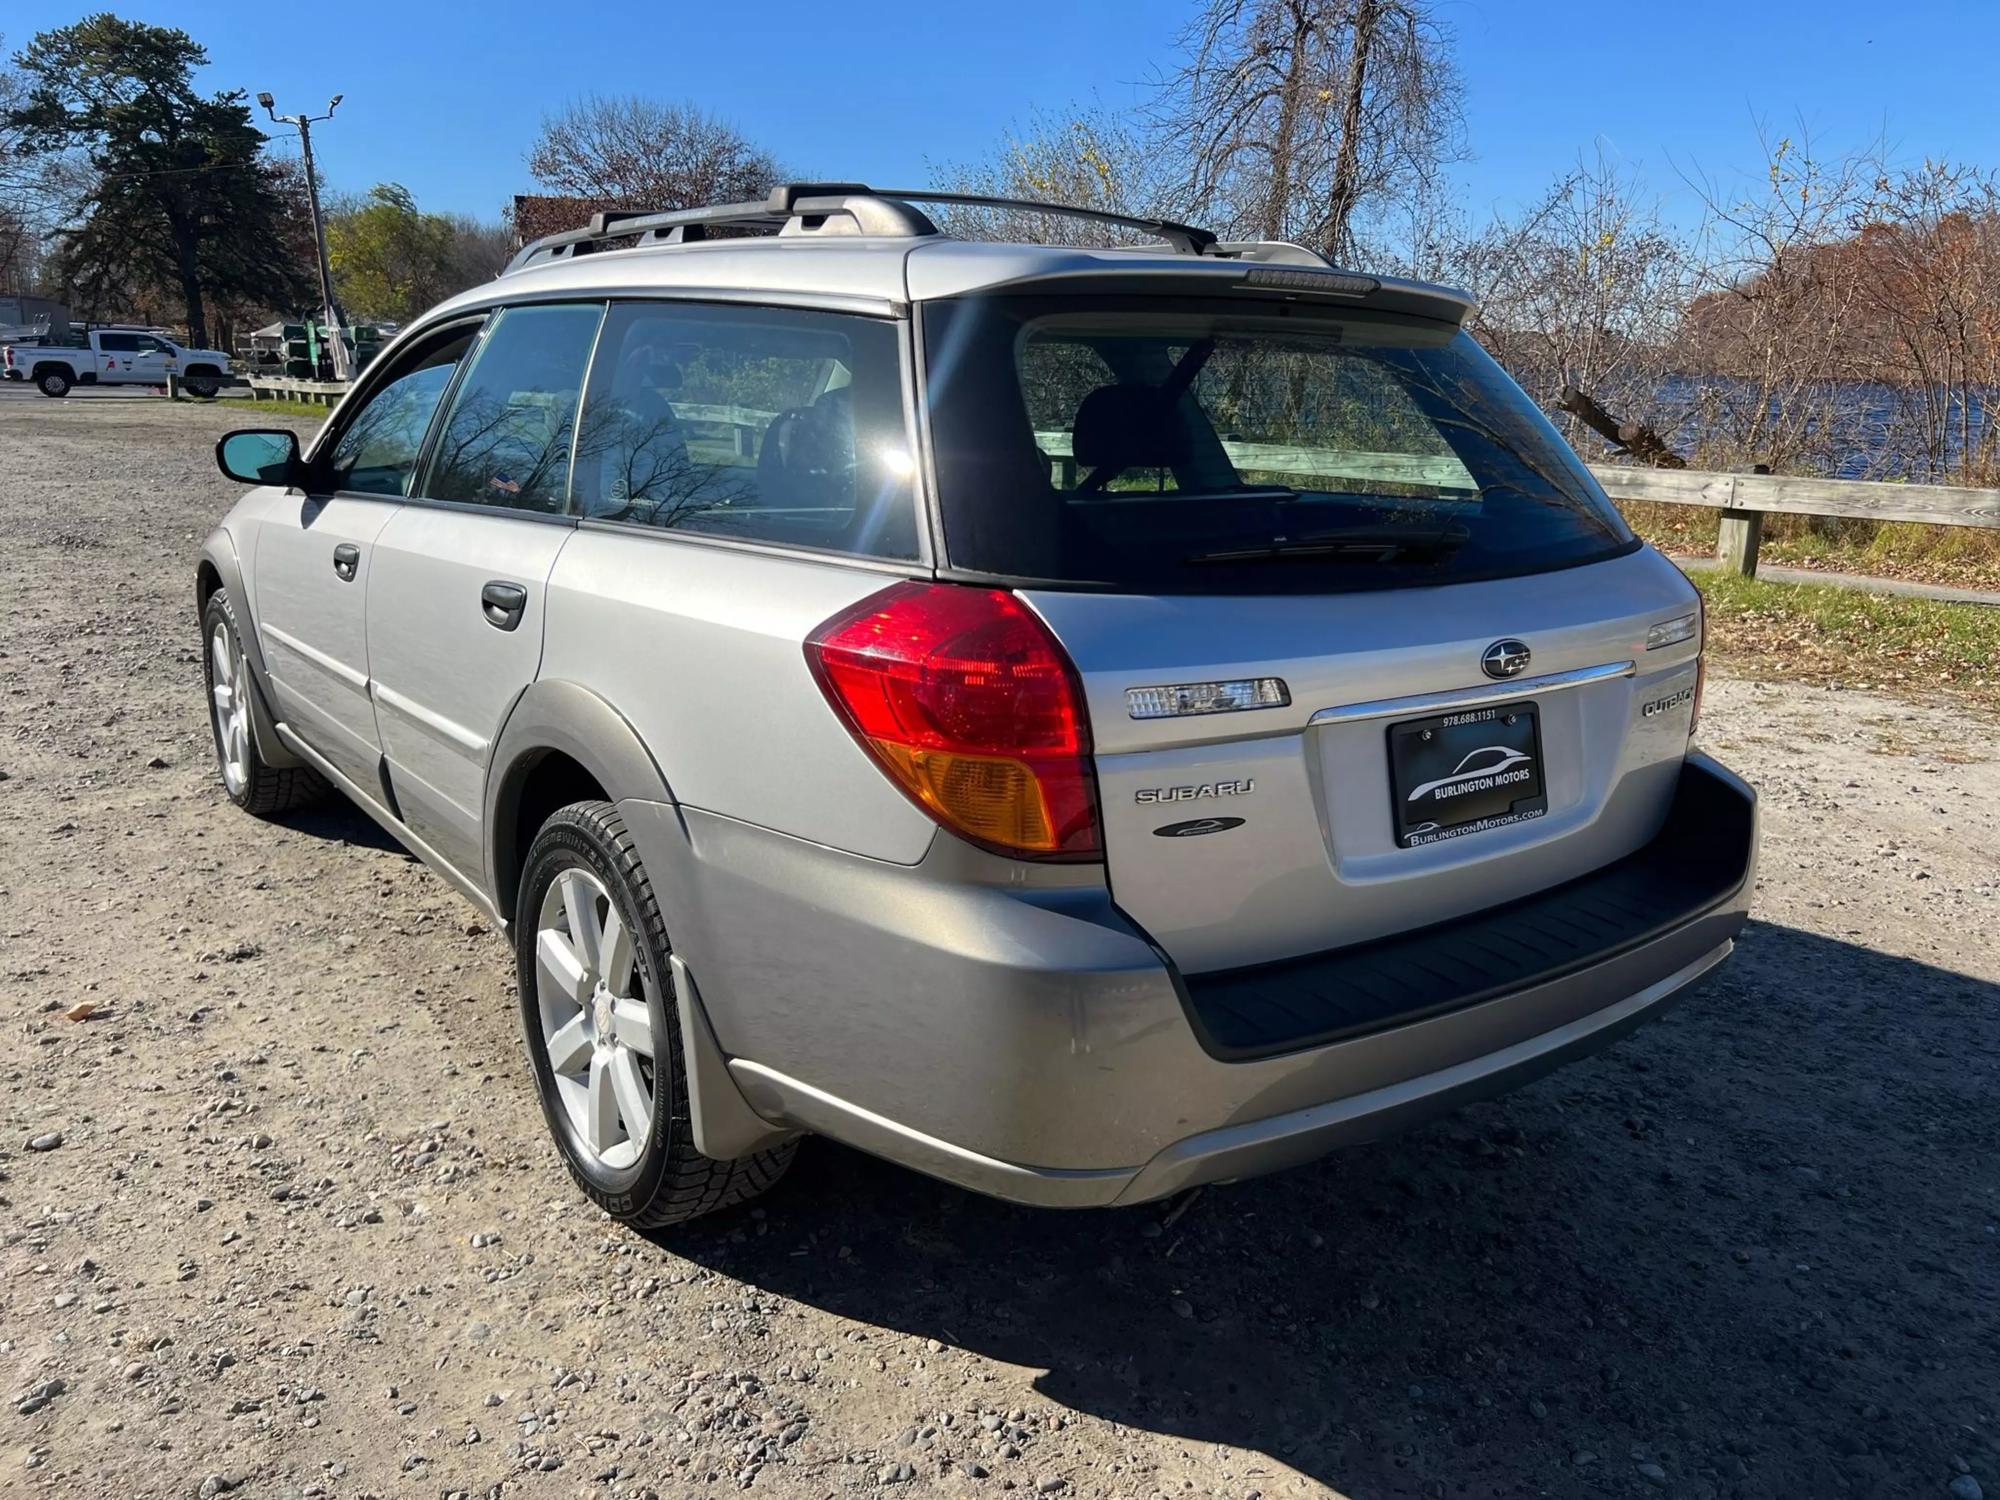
{"points": [[648, 153], [1928, 291], [36, 191], [1776, 315], [14, 235], [1299, 116], [1086, 157], [480, 248], [1580, 297]]}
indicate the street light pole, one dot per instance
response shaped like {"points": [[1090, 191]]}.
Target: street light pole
{"points": [[329, 315]]}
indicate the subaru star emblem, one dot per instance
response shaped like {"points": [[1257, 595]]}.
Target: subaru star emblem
{"points": [[1505, 659]]}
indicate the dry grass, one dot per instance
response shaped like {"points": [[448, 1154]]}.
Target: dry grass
{"points": [[252, 409], [1840, 636]]}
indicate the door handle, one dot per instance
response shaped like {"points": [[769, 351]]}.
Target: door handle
{"points": [[503, 604], [346, 559]]}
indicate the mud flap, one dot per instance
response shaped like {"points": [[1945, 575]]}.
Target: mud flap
{"points": [[725, 1126]]}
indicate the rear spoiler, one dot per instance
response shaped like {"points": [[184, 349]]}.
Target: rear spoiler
{"points": [[1219, 273]]}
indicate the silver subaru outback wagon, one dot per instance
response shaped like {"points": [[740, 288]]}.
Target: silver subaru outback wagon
{"points": [[1080, 723]]}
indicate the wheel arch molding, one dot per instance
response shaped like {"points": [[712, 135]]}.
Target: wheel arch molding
{"points": [[559, 736], [220, 570]]}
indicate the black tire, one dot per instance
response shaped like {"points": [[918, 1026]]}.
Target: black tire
{"points": [[206, 385], [670, 1182], [53, 383], [261, 789]]}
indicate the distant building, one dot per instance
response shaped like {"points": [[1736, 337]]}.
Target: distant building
{"points": [[26, 317]]}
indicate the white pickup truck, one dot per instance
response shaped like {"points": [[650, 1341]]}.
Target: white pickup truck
{"points": [[115, 356]]}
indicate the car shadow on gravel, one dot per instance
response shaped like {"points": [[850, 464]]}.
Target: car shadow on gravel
{"points": [[1743, 1245], [339, 821]]}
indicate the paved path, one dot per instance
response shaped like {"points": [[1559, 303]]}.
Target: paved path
{"points": [[1866, 581]]}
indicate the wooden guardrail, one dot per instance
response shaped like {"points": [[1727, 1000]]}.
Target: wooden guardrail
{"points": [[288, 388], [1745, 499]]}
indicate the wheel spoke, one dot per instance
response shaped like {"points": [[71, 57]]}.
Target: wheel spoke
{"points": [[560, 968], [600, 1113], [225, 697], [218, 652], [570, 1046], [630, 1090], [585, 932], [632, 1025], [616, 952]]}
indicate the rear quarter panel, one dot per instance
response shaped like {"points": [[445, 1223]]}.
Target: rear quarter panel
{"points": [[702, 649]]}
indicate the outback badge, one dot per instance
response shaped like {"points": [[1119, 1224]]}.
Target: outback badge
{"points": [[1194, 828]]}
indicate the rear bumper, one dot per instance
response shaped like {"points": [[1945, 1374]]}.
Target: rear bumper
{"points": [[1011, 1031], [1301, 1135], [1696, 861]]}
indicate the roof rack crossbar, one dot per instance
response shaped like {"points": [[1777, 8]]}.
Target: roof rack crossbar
{"points": [[788, 203], [807, 205]]}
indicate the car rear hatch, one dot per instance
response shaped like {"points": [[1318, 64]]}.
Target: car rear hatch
{"points": [[1364, 648]]}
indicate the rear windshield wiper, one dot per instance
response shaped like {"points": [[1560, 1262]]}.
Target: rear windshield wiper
{"points": [[1376, 543]]}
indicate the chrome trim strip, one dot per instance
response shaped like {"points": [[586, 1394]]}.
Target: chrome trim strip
{"points": [[327, 664], [439, 727], [1498, 692]]}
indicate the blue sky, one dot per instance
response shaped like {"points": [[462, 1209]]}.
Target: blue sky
{"points": [[448, 105]]}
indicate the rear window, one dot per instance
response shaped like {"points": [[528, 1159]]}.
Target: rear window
{"points": [[1200, 448]]}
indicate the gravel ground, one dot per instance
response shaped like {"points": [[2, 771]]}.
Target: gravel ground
{"points": [[280, 1217]]}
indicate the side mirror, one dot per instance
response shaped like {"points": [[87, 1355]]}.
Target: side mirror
{"points": [[261, 456]]}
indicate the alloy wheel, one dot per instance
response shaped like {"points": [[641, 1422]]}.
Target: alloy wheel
{"points": [[229, 696], [597, 1021]]}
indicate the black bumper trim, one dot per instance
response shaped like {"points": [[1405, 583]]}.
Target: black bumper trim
{"points": [[1697, 862]]}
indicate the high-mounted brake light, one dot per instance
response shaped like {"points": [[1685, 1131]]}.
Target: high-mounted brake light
{"points": [[1312, 279], [972, 708]]}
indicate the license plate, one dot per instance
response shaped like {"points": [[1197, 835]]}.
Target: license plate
{"points": [[1466, 772]]}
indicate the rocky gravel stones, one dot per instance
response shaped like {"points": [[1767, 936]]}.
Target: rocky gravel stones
{"points": [[1549, 1278]]}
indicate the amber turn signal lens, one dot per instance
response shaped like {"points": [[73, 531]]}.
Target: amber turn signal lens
{"points": [[995, 800]]}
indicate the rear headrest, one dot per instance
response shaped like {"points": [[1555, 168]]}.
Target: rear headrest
{"points": [[1129, 427]]}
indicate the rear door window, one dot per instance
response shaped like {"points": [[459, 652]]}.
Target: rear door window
{"points": [[506, 442], [1189, 447], [761, 424]]}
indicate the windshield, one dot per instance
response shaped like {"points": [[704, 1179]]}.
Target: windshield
{"points": [[1200, 447]]}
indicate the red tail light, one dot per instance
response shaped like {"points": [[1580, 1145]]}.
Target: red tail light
{"points": [[973, 709]]}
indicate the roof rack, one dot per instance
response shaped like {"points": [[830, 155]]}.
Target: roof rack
{"points": [[841, 208], [1185, 238]]}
